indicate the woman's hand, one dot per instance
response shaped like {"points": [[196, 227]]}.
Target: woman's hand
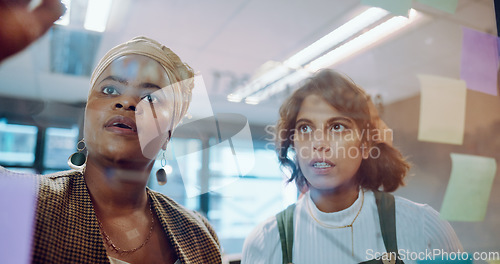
{"points": [[19, 26]]}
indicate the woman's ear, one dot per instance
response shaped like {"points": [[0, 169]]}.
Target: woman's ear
{"points": [[164, 147]]}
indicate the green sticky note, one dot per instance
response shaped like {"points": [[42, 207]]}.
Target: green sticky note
{"points": [[442, 110], [468, 191], [445, 5], [396, 7]]}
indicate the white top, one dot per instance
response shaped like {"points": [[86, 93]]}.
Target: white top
{"points": [[418, 228]]}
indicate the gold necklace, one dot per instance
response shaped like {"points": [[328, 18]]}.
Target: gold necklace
{"points": [[126, 251], [339, 227]]}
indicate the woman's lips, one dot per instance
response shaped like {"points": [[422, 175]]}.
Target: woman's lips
{"points": [[121, 125], [320, 166]]}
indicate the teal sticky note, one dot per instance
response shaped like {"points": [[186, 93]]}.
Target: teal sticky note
{"points": [[396, 7], [445, 5], [449, 258], [469, 187]]}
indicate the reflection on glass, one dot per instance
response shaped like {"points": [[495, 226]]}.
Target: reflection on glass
{"points": [[237, 208], [45, 172], [177, 183], [17, 144], [60, 143], [22, 170]]}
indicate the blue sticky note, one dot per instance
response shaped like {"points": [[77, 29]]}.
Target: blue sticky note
{"points": [[449, 258]]}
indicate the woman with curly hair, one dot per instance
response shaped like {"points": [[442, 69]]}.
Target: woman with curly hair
{"points": [[341, 157]]}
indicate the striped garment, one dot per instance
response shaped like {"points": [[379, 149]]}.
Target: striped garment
{"points": [[418, 229], [67, 230]]}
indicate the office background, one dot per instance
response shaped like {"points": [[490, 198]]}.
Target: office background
{"points": [[243, 51]]}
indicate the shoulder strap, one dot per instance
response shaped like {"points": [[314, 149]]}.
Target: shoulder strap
{"points": [[387, 214], [285, 228]]}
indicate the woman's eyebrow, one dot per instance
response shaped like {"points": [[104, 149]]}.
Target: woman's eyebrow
{"points": [[150, 85], [303, 120], [116, 79], [125, 82], [340, 118]]}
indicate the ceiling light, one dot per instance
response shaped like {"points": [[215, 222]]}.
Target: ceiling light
{"points": [[336, 37], [314, 50], [280, 85], [234, 98], [265, 79], [252, 100], [97, 15], [293, 70], [364, 41]]}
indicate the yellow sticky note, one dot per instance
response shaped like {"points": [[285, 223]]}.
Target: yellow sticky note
{"points": [[493, 261], [442, 109], [468, 191]]}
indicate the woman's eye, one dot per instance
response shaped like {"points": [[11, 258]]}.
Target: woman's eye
{"points": [[338, 128], [110, 90], [305, 129], [150, 98]]}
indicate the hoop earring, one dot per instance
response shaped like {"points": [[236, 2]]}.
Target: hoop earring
{"points": [[77, 160], [161, 174]]}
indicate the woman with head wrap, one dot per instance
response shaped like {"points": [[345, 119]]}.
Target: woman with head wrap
{"points": [[103, 212]]}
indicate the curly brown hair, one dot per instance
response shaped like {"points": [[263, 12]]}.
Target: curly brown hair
{"points": [[387, 170]]}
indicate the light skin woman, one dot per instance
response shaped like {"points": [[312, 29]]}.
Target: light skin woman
{"points": [[320, 127], [340, 154], [334, 141]]}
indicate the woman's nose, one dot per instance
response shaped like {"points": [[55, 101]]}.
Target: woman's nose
{"points": [[321, 147], [126, 102], [320, 143]]}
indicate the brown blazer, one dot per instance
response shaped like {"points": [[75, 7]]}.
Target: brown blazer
{"points": [[67, 231]]}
